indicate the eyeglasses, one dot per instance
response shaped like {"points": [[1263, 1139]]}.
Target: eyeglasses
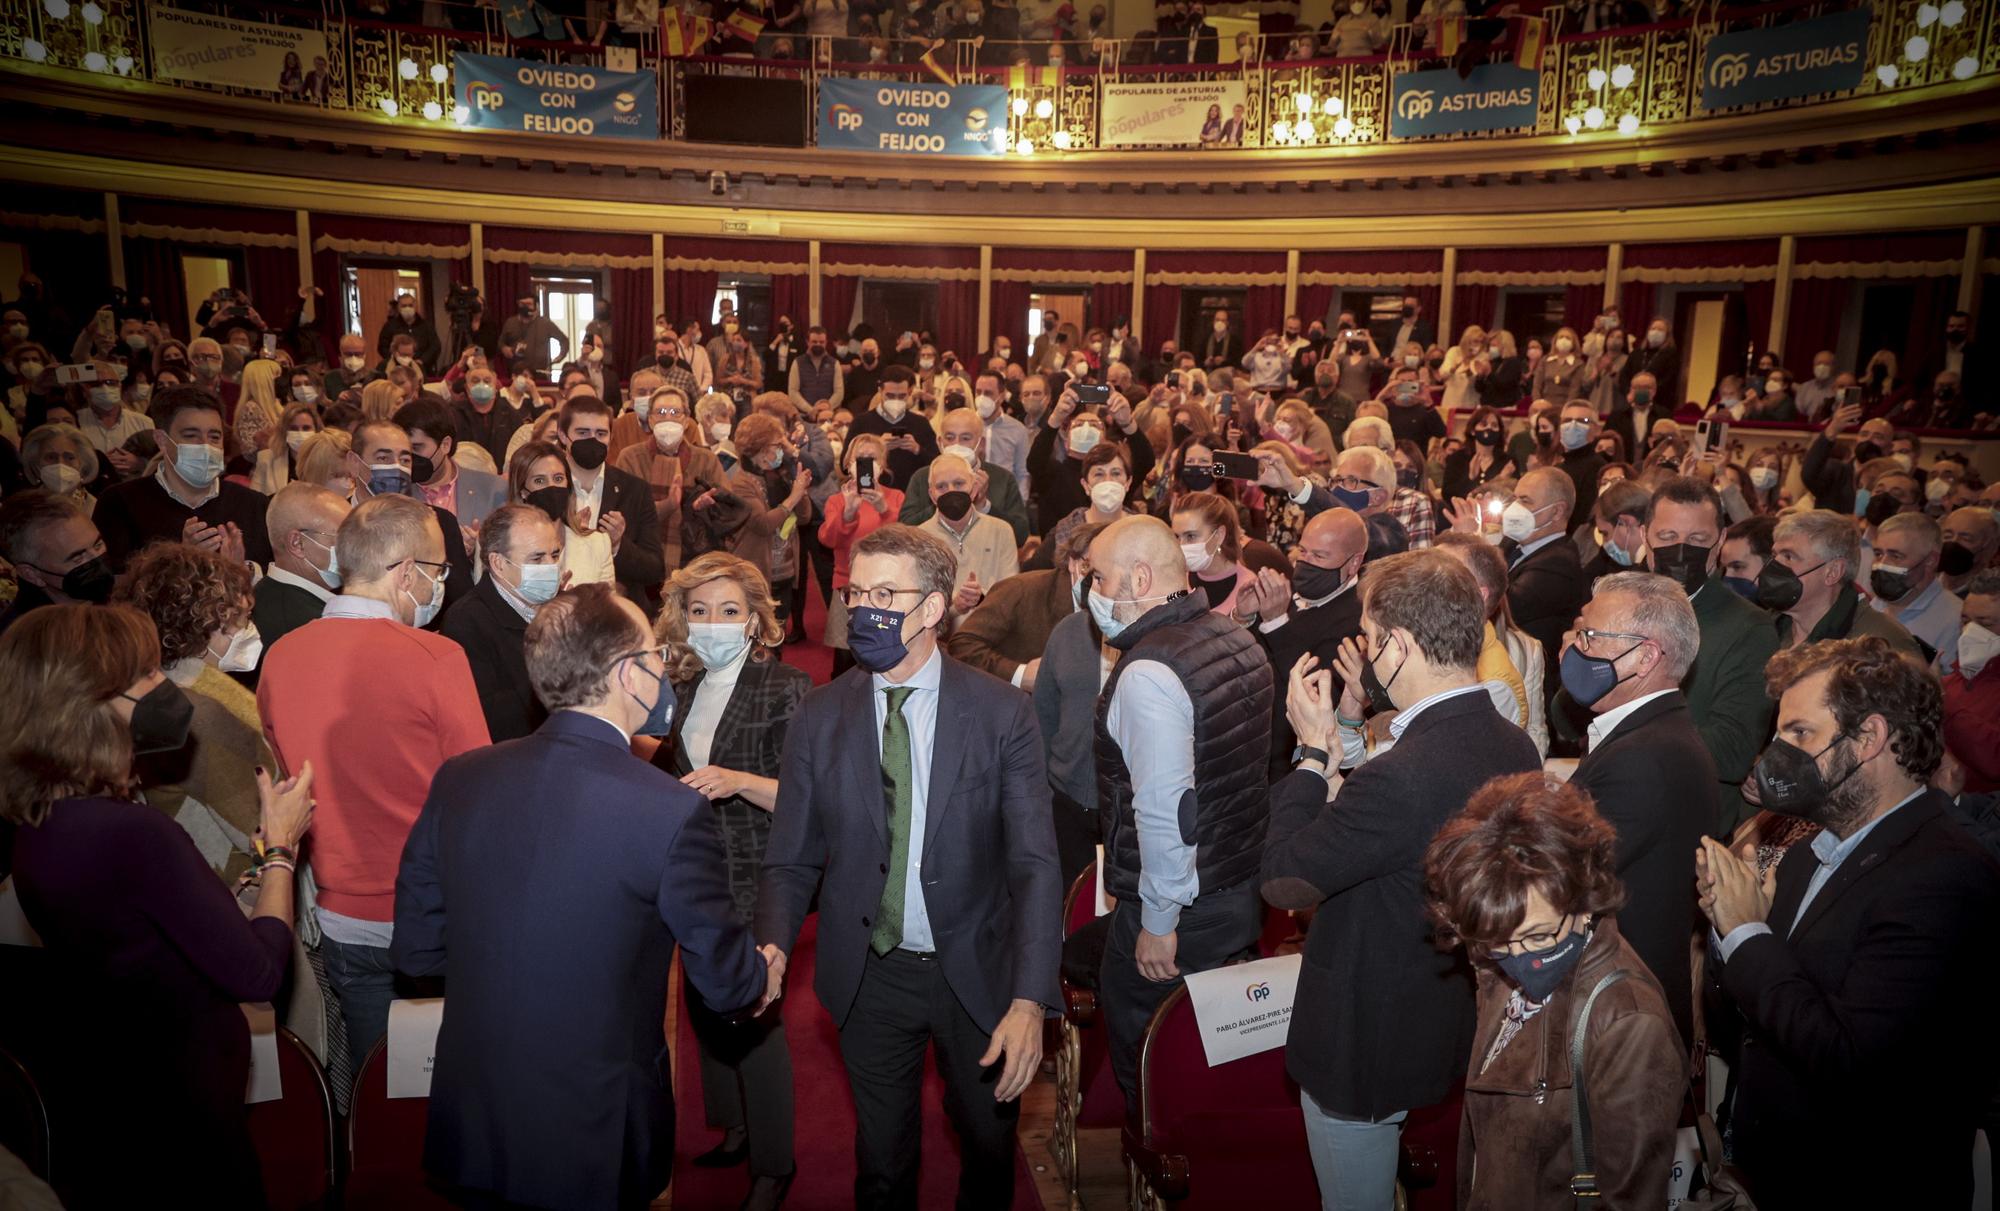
{"points": [[443, 572], [881, 597], [1530, 943], [1585, 637]]}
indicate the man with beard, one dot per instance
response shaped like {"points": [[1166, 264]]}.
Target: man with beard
{"points": [[1860, 965]]}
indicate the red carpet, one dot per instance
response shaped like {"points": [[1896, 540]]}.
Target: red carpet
{"points": [[813, 656], [825, 1144]]}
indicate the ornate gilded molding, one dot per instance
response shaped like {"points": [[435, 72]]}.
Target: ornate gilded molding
{"points": [[1879, 269], [567, 260], [898, 273], [1548, 277], [206, 235], [442, 252]]}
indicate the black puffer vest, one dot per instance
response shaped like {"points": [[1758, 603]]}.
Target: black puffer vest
{"points": [[1228, 679]]}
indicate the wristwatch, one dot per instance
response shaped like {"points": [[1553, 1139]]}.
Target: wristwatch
{"points": [[1305, 752]]}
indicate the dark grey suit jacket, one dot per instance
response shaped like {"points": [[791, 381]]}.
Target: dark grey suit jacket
{"points": [[992, 887]]}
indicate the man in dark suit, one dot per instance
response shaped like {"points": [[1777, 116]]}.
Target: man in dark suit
{"points": [[1545, 584], [620, 503], [1392, 335], [1391, 1015], [302, 520], [1632, 417], [1725, 689], [1647, 768], [913, 800], [549, 880], [381, 463], [1315, 611], [1863, 967], [522, 548]]}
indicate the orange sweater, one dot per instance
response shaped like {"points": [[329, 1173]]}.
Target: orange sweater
{"points": [[376, 707]]}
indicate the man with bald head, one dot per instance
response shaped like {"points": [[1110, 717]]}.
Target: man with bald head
{"points": [[1545, 581], [1314, 611], [982, 544], [997, 488], [1971, 538], [303, 520], [1183, 729]]}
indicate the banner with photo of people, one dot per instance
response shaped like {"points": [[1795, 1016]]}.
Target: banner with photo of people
{"points": [[203, 49], [1173, 113]]}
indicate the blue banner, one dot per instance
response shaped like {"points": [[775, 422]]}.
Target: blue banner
{"points": [[914, 117], [1826, 54], [1496, 96], [550, 99]]}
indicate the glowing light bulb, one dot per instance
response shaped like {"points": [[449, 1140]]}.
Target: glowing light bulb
{"points": [[1303, 101], [1281, 131], [92, 15], [33, 51], [1952, 13], [1629, 124], [1593, 117], [1572, 124], [1343, 128], [461, 114], [58, 10], [1888, 75], [1596, 77], [1917, 49], [1026, 147], [1020, 106], [438, 73], [1927, 15], [1623, 75], [122, 65], [389, 106], [1333, 107], [433, 111], [1045, 109], [407, 69], [95, 61], [1061, 140], [1302, 130], [1964, 68]]}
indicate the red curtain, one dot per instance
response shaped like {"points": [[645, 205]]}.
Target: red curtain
{"points": [[1813, 323], [909, 256], [73, 266], [1163, 315], [790, 298], [1010, 314], [271, 275], [836, 303], [631, 293], [153, 271], [1314, 303], [327, 263], [505, 282], [1263, 308], [1923, 347], [1471, 305], [1635, 305], [1110, 303], [1758, 299], [1581, 305], [691, 296], [958, 318], [1945, 245]]}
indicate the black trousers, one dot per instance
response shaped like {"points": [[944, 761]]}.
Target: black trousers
{"points": [[746, 1081], [1218, 927], [904, 1002], [1078, 830]]}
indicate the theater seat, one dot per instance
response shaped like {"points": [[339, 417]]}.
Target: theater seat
{"points": [[385, 1143], [294, 1134], [1087, 1095], [1221, 1137], [24, 1120]]}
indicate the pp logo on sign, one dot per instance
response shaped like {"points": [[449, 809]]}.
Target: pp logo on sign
{"points": [[1416, 104], [1260, 991], [1729, 70], [846, 117], [484, 96]]}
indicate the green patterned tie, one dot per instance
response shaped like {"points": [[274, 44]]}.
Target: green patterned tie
{"points": [[897, 780]]}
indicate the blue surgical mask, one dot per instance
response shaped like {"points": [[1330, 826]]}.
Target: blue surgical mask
{"points": [[660, 715], [388, 479], [1101, 608], [1539, 973], [330, 574], [1618, 554], [718, 643], [1742, 586], [539, 581], [480, 393], [1589, 678], [1861, 496], [875, 637], [1354, 499], [199, 464], [1575, 434], [427, 610]]}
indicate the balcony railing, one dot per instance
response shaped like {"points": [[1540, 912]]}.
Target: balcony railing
{"points": [[1628, 81]]}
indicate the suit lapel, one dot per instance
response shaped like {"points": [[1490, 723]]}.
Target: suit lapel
{"points": [[683, 701], [744, 699], [860, 749], [1885, 839], [946, 758]]}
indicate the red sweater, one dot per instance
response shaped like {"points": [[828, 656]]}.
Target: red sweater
{"points": [[376, 706], [1972, 725]]}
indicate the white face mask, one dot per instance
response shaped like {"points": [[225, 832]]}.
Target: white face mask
{"points": [[1937, 488], [718, 643], [642, 404], [986, 406], [104, 399], [404, 359], [295, 438], [1763, 478], [427, 610], [1196, 555], [1083, 437], [61, 478], [408, 313], [1222, 325], [667, 434], [1656, 337], [925, 363], [894, 408], [594, 356], [246, 648], [1107, 496], [1977, 647], [719, 432], [1904, 461], [351, 362], [1517, 521], [1285, 430], [1564, 344], [966, 453], [305, 395], [330, 574]]}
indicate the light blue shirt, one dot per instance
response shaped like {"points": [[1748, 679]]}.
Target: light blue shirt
{"points": [[1152, 720], [1831, 852], [1934, 616], [1354, 742], [920, 711], [1007, 444]]}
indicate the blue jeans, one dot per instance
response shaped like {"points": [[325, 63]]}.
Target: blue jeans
{"points": [[365, 982], [1354, 1159]]}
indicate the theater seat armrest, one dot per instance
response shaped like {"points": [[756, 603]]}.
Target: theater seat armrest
{"points": [[1165, 1172], [1080, 1005]]}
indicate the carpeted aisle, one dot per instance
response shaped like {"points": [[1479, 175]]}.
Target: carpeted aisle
{"points": [[825, 1145]]}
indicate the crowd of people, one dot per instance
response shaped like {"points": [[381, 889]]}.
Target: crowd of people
{"points": [[422, 670]]}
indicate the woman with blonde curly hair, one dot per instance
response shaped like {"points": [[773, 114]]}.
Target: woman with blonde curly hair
{"points": [[257, 406], [1463, 363], [322, 459], [131, 910], [380, 399], [276, 460], [734, 699], [200, 604]]}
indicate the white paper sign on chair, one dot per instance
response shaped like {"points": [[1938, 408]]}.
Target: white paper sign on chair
{"points": [[413, 1036], [1246, 1008], [264, 1085]]}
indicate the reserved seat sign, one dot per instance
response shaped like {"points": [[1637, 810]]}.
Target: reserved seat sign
{"points": [[1245, 1008]]}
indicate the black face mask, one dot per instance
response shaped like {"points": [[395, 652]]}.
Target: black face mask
{"points": [[526, 312], [1779, 588], [1882, 508], [553, 500], [1377, 689], [1197, 479], [1889, 586], [1954, 559], [1486, 437], [1182, 433], [588, 453], [1312, 582], [421, 469], [1409, 313], [1408, 477], [1684, 563], [955, 505], [89, 581], [161, 719], [1863, 451], [1789, 780]]}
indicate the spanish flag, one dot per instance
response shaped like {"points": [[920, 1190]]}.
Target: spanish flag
{"points": [[1534, 39], [1451, 32], [744, 24], [937, 68], [1017, 78], [683, 33]]}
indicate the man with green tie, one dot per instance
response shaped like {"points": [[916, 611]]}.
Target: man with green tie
{"points": [[913, 798]]}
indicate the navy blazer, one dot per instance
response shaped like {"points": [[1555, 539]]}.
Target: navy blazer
{"points": [[992, 886], [548, 880]]}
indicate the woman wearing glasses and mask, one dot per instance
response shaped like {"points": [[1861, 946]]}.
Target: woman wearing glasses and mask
{"points": [[1526, 878], [152, 955], [734, 701]]}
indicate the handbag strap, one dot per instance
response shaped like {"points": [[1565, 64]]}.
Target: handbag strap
{"points": [[1584, 1182]]}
